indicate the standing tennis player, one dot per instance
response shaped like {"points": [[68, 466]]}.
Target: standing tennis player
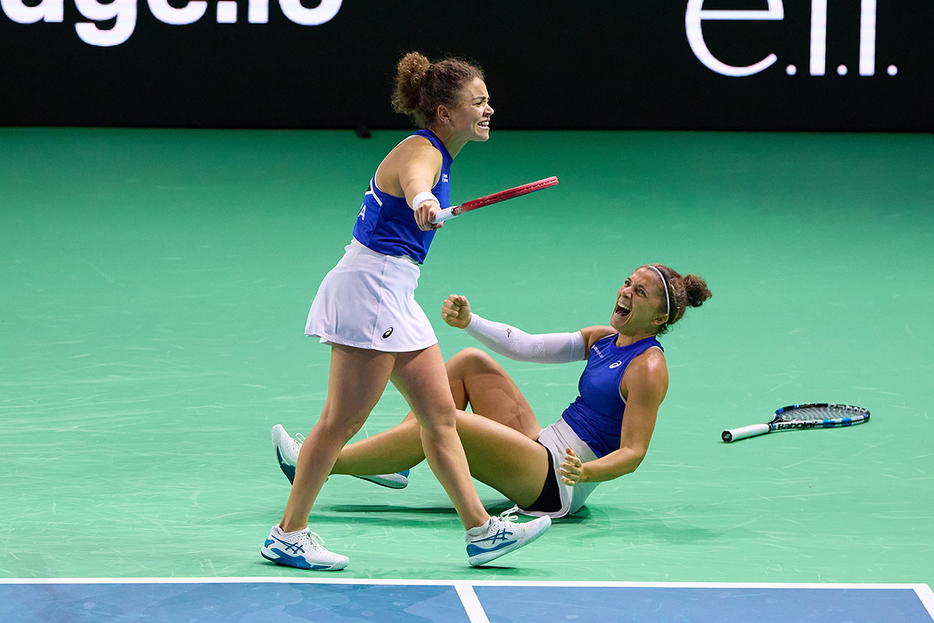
{"points": [[365, 309]]}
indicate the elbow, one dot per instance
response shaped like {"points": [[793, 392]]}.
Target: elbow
{"points": [[636, 455], [627, 464], [614, 465]]}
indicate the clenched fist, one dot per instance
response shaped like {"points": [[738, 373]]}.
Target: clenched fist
{"points": [[456, 311]]}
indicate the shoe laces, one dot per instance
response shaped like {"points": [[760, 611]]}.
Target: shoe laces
{"points": [[316, 542], [510, 515]]}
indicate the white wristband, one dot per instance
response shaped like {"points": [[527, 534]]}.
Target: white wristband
{"points": [[421, 198], [520, 346]]}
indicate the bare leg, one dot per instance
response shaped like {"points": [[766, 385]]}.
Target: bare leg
{"points": [[500, 435], [478, 380], [356, 381], [421, 378], [497, 455], [390, 451], [498, 438], [503, 458]]}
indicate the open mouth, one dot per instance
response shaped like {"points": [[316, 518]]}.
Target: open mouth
{"points": [[484, 124], [622, 311]]}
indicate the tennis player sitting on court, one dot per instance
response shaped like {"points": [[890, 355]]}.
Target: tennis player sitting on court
{"points": [[602, 435], [365, 309]]}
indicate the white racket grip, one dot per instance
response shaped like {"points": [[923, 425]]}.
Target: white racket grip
{"points": [[744, 432], [445, 214]]}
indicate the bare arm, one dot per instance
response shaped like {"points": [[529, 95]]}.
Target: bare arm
{"points": [[644, 384], [411, 168]]}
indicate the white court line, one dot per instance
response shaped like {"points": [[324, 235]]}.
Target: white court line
{"points": [[927, 597], [321, 579], [472, 605], [452, 583], [405, 582]]}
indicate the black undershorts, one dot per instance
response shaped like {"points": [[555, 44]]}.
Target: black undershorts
{"points": [[549, 501]]}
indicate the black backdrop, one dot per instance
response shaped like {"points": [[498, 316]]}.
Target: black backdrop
{"points": [[600, 64]]}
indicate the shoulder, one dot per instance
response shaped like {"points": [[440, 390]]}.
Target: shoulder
{"points": [[592, 335], [647, 375], [413, 157], [415, 147]]}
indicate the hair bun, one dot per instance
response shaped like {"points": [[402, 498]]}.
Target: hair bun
{"points": [[697, 290], [410, 74]]}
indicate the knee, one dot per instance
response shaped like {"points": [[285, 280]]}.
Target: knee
{"points": [[339, 428], [438, 427], [469, 360]]}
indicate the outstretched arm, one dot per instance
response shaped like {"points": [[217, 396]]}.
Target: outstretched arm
{"points": [[510, 341]]}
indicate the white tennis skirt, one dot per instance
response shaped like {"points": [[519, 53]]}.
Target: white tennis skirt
{"points": [[556, 438], [368, 301]]}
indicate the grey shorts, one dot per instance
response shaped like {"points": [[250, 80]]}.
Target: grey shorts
{"points": [[556, 438]]}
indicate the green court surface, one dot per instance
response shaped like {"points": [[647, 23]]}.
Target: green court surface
{"points": [[153, 293]]}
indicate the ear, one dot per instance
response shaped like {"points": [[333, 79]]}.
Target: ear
{"points": [[444, 115], [660, 319]]}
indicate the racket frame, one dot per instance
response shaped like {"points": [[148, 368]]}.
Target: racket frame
{"points": [[782, 422], [503, 195]]}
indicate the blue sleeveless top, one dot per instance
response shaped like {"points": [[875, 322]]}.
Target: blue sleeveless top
{"points": [[387, 224], [597, 414]]}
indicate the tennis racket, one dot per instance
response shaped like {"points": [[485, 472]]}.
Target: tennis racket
{"points": [[503, 195], [801, 417]]}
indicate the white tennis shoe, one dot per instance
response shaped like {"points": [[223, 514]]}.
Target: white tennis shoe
{"points": [[287, 450], [302, 549], [501, 535], [393, 481]]}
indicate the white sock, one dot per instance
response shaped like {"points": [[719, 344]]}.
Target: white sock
{"points": [[480, 529], [282, 533]]}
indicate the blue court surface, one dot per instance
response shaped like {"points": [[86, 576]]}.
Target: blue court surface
{"points": [[286, 600]]}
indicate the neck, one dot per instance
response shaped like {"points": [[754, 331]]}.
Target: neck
{"points": [[451, 142], [623, 339]]}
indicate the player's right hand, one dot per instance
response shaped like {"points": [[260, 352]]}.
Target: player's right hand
{"points": [[456, 311], [426, 213]]}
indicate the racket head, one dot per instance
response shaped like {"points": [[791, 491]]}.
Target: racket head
{"points": [[821, 411]]}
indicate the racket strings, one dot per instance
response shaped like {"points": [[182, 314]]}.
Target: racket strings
{"points": [[821, 412]]}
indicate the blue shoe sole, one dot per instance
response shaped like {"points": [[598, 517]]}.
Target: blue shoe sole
{"points": [[288, 470]]}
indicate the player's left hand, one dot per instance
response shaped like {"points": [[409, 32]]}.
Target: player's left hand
{"points": [[571, 468]]}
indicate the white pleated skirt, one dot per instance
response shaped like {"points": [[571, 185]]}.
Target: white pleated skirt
{"points": [[368, 301]]}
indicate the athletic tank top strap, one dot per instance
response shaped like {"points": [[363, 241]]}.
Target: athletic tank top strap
{"points": [[386, 224], [597, 414]]}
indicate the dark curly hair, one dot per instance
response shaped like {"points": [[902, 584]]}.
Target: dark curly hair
{"points": [[422, 86]]}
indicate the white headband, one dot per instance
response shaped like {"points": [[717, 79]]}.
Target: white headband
{"points": [[665, 286]]}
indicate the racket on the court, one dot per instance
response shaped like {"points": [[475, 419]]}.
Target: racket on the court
{"points": [[802, 417], [503, 195]]}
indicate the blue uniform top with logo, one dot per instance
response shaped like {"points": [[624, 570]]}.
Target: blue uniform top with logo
{"points": [[386, 224], [597, 414]]}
